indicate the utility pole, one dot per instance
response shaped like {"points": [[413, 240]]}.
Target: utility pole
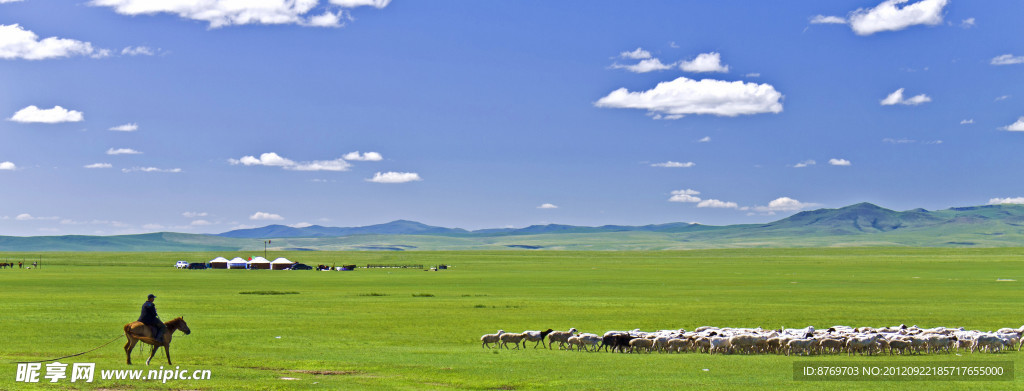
{"points": [[265, 243]]}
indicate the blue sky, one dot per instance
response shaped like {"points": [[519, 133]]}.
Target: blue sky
{"points": [[132, 116]]}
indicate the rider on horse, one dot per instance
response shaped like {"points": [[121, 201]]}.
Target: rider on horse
{"points": [[150, 318]]}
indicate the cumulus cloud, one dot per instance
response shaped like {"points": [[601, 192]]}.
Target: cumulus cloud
{"points": [[1007, 59], [265, 216], [687, 195], [805, 163], [644, 66], [687, 96], [891, 16], [99, 165], [200, 222], [822, 19], [706, 139], [712, 203], [220, 13], [365, 157], [967, 121], [272, 159], [839, 162], [705, 62], [7, 166], [1016, 126], [137, 51], [150, 169], [784, 204], [1008, 200], [967, 23], [18, 43], [547, 206], [301, 225], [671, 164], [193, 215], [57, 114], [122, 151], [638, 54], [28, 217], [897, 98], [395, 177], [126, 127]]}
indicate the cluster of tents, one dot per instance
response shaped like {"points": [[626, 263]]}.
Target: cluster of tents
{"points": [[253, 263]]}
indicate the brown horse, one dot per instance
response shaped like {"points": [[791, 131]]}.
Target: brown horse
{"points": [[137, 331]]}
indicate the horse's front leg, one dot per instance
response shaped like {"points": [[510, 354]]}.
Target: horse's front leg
{"points": [[151, 354], [167, 349]]}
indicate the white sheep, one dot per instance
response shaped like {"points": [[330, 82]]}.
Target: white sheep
{"points": [[562, 337], [592, 340], [537, 337], [644, 343], [720, 344], [801, 345], [488, 339], [514, 338]]}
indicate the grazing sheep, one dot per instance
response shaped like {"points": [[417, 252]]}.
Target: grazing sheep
{"points": [[616, 340], [488, 339], [678, 345], [900, 345], [562, 337], [644, 343], [859, 344], [574, 342], [537, 336], [831, 345], [514, 338], [938, 342], [801, 345], [592, 340], [720, 344]]}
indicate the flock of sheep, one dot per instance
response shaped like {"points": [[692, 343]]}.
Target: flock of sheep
{"points": [[835, 340]]}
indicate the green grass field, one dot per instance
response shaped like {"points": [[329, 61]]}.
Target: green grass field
{"points": [[410, 329]]}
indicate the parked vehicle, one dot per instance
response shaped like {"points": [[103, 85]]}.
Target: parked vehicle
{"points": [[181, 264], [300, 266], [197, 265]]}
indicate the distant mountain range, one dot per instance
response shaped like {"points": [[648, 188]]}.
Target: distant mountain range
{"points": [[861, 224]]}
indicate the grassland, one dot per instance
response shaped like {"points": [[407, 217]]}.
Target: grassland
{"points": [[410, 329]]}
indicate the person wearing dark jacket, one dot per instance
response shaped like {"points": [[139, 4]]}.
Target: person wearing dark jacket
{"points": [[150, 318]]}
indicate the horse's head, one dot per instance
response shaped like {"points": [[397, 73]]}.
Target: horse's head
{"points": [[180, 324]]}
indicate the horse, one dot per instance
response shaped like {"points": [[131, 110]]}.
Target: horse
{"points": [[138, 331]]}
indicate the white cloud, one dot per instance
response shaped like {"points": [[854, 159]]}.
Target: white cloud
{"points": [[9, 1], [28, 217], [366, 157], [548, 206], [967, 121], [644, 66], [220, 13], [687, 195], [122, 151], [1008, 200], [265, 216], [1003, 97], [360, 3], [805, 163], [200, 222], [153, 227], [717, 204], [706, 139], [301, 225], [822, 19], [671, 164], [897, 98], [638, 54], [126, 127], [18, 43], [137, 51], [752, 74], [99, 165], [395, 177], [1007, 59], [57, 114], [705, 62], [272, 159], [967, 23], [150, 169], [1016, 126], [7, 166], [193, 215], [687, 96], [889, 16], [898, 141], [784, 204], [839, 162]]}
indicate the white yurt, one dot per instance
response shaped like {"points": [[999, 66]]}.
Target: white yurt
{"points": [[281, 264], [259, 263], [237, 263], [219, 263]]}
